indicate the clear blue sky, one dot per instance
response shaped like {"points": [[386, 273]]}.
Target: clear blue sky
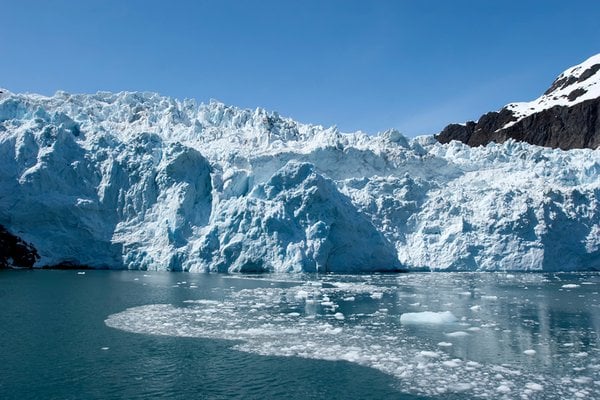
{"points": [[362, 65]]}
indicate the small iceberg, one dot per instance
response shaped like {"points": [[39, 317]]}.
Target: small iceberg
{"points": [[428, 317], [570, 286]]}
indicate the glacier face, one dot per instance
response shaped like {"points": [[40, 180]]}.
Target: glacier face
{"points": [[136, 180]]}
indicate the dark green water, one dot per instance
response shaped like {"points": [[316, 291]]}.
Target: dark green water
{"points": [[52, 332]]}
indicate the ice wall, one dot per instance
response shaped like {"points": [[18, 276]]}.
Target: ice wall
{"points": [[136, 180]]}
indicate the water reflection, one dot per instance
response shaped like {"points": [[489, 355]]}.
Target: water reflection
{"points": [[531, 335]]}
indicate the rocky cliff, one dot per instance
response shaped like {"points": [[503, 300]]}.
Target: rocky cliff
{"points": [[565, 116], [14, 252]]}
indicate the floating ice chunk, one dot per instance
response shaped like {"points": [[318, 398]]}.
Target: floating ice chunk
{"points": [[352, 356], [301, 295], [570, 286], [339, 316], [428, 317], [444, 344], [461, 387], [530, 352], [583, 380], [104, 348], [485, 297], [202, 301], [503, 389], [457, 334], [534, 386], [452, 363], [475, 308], [377, 295], [332, 331], [429, 354], [81, 273]]}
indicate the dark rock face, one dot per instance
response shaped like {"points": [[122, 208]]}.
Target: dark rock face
{"points": [[561, 127], [588, 73], [570, 126], [477, 133], [67, 265], [14, 252]]}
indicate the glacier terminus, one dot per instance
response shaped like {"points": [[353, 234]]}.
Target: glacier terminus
{"points": [[140, 181]]}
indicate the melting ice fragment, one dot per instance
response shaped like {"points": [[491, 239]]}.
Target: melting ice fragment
{"points": [[457, 334], [570, 286], [428, 317]]}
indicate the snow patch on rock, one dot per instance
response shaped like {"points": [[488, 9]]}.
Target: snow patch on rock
{"points": [[575, 85]]}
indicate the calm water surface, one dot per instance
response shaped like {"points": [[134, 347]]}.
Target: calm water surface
{"points": [[126, 334]]}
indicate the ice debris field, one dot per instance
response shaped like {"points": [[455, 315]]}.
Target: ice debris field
{"points": [[140, 181], [497, 336]]}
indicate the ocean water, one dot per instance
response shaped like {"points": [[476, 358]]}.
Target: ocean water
{"points": [[131, 334]]}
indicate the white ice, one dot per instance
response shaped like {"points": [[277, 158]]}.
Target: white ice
{"points": [[269, 320], [140, 181], [428, 317]]}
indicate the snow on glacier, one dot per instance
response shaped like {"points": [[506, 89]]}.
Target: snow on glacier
{"points": [[136, 180]]}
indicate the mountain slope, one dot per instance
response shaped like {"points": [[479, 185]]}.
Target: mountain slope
{"points": [[136, 180], [566, 116]]}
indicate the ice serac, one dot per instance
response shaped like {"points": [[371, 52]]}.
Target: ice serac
{"points": [[566, 116], [296, 221], [141, 181]]}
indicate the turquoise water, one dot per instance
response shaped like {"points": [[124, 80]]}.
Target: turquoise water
{"points": [[53, 333], [126, 334]]}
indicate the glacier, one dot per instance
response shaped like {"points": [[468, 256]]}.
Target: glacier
{"points": [[142, 181]]}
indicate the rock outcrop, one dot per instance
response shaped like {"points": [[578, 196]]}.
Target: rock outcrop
{"points": [[566, 116], [14, 252]]}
